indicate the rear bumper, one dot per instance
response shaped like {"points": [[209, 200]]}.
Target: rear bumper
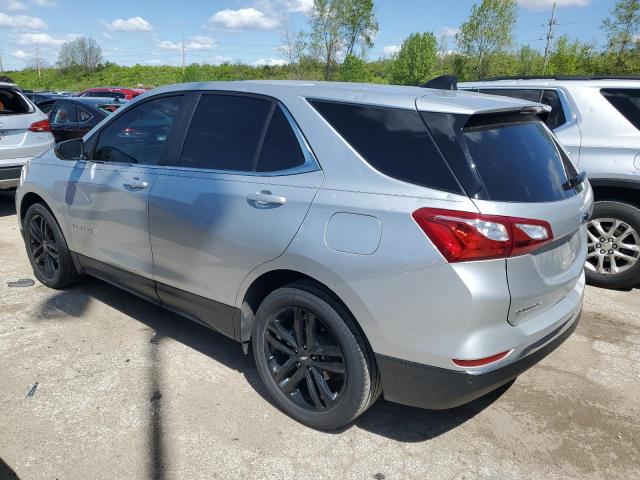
{"points": [[438, 388], [9, 176]]}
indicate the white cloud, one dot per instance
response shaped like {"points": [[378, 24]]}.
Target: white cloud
{"points": [[391, 50], [22, 22], [133, 24], [44, 3], [21, 54], [548, 4], [243, 19], [303, 6], [15, 5], [271, 62], [40, 39], [193, 43]]}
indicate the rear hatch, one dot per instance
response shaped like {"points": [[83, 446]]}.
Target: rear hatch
{"points": [[511, 166], [16, 117]]}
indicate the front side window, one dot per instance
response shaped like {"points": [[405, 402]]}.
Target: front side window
{"points": [[139, 134], [626, 101]]}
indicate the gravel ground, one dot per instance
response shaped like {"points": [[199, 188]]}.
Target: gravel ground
{"points": [[96, 383]]}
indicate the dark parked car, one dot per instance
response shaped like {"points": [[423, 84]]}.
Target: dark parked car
{"points": [[37, 97], [74, 117]]}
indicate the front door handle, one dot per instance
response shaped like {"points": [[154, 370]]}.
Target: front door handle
{"points": [[136, 184], [266, 199]]}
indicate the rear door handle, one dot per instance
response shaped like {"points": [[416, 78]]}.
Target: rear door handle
{"points": [[265, 199], [136, 184]]}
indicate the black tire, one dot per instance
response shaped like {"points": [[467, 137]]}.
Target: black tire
{"points": [[628, 214], [39, 223], [359, 386]]}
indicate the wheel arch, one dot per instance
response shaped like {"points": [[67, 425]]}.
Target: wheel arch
{"points": [[626, 191], [270, 281]]}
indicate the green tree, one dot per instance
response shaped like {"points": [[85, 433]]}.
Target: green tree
{"points": [[622, 29], [487, 32], [416, 61], [353, 69], [327, 35], [570, 57], [359, 24], [529, 62]]}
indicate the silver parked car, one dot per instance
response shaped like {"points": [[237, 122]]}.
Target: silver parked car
{"points": [[423, 244], [24, 133], [598, 121]]}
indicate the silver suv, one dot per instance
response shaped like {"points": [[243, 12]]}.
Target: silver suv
{"points": [[361, 239], [24, 133], [598, 121]]}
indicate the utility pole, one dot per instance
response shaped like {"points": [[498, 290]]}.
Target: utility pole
{"points": [[1, 64], [547, 49], [183, 60], [38, 61]]}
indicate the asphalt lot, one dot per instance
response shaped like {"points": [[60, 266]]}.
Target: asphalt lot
{"points": [[127, 390]]}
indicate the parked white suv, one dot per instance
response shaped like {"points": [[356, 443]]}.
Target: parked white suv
{"points": [[24, 133], [598, 121]]}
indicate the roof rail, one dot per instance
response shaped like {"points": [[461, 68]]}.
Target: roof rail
{"points": [[563, 77], [443, 82]]}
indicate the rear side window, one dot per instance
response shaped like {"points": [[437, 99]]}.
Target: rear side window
{"points": [[626, 101], [518, 161], [556, 117], [225, 132], [11, 103], [281, 149], [63, 114], [393, 141]]}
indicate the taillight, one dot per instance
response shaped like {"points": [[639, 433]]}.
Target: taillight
{"points": [[466, 236], [41, 126]]}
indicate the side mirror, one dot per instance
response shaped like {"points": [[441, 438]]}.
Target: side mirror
{"points": [[70, 149]]}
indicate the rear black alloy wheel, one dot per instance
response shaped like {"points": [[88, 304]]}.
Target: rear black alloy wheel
{"points": [[304, 358], [312, 358], [43, 246]]}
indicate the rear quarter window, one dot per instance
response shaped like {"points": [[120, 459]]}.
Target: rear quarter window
{"points": [[393, 141], [626, 101]]}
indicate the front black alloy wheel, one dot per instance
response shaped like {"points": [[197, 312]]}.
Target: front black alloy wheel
{"points": [[312, 358], [304, 358], [43, 247], [47, 248]]}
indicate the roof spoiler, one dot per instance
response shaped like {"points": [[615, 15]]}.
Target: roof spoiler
{"points": [[443, 82]]}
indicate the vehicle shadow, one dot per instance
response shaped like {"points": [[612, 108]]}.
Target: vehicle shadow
{"points": [[6, 472], [7, 203], [401, 423]]}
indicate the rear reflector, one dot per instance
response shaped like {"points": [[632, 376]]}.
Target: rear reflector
{"points": [[41, 126], [481, 362], [467, 236]]}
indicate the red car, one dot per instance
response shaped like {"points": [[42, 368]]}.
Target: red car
{"points": [[113, 92]]}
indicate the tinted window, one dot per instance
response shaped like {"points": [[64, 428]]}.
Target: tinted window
{"points": [[518, 161], [64, 113], [626, 101], [83, 115], [556, 117], [280, 150], [139, 134], [531, 95], [46, 108], [11, 103], [395, 142], [225, 133]]}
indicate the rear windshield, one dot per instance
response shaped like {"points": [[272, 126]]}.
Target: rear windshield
{"points": [[518, 161], [393, 141], [626, 101], [11, 103]]}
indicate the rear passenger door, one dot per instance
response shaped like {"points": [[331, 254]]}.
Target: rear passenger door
{"points": [[64, 121], [240, 186]]}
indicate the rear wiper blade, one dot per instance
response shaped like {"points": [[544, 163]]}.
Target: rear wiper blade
{"points": [[574, 181]]}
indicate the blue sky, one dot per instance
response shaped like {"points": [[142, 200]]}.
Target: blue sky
{"points": [[151, 32]]}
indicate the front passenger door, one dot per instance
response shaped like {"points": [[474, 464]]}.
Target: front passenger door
{"points": [[107, 195]]}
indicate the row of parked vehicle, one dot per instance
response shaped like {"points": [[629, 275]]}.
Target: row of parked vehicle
{"points": [[424, 244]]}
